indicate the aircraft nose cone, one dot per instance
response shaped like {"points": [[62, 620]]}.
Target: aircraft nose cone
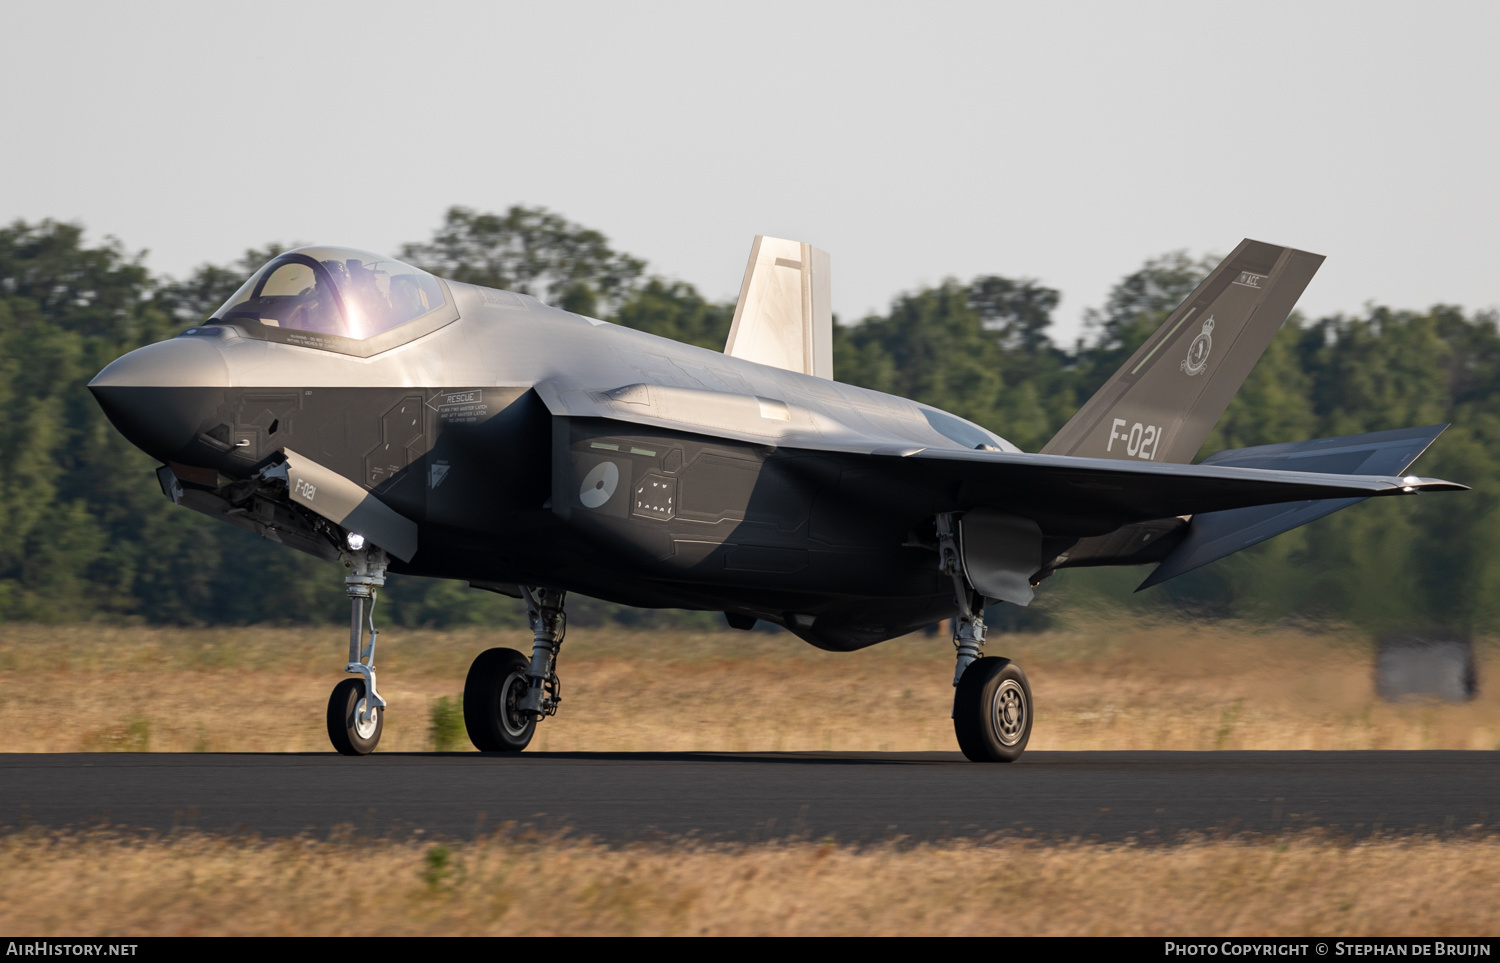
{"points": [[159, 396]]}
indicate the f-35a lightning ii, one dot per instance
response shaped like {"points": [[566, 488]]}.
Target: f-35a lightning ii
{"points": [[359, 409]]}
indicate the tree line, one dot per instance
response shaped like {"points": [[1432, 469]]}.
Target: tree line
{"points": [[86, 534]]}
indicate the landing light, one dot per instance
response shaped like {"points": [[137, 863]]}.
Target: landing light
{"points": [[355, 541]]}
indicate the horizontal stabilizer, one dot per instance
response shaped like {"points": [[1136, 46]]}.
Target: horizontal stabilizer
{"points": [[784, 317], [1213, 535]]}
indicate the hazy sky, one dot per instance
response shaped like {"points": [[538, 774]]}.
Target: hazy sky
{"points": [[1065, 142]]}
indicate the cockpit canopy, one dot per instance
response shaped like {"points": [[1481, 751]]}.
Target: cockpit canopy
{"points": [[338, 299]]}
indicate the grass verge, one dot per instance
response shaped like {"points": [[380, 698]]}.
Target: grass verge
{"points": [[1096, 686], [97, 883]]}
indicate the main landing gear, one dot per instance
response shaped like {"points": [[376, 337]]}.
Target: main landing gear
{"points": [[505, 694], [991, 697], [356, 712]]}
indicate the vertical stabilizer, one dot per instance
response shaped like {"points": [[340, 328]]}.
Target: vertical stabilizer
{"points": [[1167, 398], [784, 317]]}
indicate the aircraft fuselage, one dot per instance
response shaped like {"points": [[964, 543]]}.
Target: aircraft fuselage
{"points": [[534, 446]]}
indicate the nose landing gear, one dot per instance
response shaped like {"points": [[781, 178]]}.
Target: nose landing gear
{"points": [[356, 712], [353, 726]]}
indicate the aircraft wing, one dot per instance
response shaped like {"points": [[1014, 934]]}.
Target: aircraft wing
{"points": [[1067, 494], [1072, 495]]}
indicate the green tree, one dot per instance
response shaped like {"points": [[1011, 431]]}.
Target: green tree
{"points": [[673, 309], [67, 511], [201, 293], [940, 352], [533, 251], [1135, 307], [980, 350], [1272, 406], [1020, 312]]}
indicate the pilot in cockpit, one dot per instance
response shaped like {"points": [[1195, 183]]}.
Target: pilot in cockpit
{"points": [[334, 291], [310, 309]]}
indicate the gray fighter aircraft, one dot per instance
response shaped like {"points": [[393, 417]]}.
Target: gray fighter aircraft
{"points": [[359, 409]]}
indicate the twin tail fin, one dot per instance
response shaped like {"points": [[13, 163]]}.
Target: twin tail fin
{"points": [[784, 317], [1162, 404]]}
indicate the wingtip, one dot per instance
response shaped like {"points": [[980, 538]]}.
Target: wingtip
{"points": [[1412, 483]]}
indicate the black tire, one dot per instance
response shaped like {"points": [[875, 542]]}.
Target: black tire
{"points": [[497, 682], [343, 720], [992, 711]]}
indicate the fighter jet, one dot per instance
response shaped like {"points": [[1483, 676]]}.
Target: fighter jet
{"points": [[362, 410]]}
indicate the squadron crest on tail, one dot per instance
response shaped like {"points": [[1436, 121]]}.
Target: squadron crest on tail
{"points": [[1197, 356]]}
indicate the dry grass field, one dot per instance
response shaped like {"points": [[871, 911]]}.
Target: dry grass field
{"points": [[195, 885], [1096, 686]]}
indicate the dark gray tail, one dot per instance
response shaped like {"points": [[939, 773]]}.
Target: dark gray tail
{"points": [[1167, 398]]}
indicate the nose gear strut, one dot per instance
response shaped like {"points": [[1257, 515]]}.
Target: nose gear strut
{"points": [[368, 575], [356, 710]]}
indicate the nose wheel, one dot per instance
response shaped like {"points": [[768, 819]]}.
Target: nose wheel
{"points": [[356, 712], [353, 726]]}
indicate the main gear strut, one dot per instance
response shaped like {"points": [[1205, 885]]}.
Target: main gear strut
{"points": [[991, 697], [549, 623], [968, 627]]}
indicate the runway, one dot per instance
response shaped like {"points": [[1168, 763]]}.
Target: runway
{"points": [[850, 797]]}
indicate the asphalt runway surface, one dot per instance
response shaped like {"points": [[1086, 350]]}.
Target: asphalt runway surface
{"points": [[850, 797]]}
